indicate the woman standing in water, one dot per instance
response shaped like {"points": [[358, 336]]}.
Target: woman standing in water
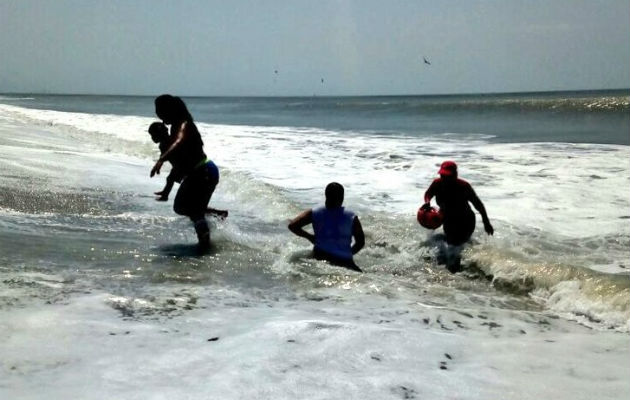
{"points": [[201, 175]]}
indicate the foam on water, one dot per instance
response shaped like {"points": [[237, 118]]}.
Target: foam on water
{"points": [[565, 188], [227, 346], [569, 190]]}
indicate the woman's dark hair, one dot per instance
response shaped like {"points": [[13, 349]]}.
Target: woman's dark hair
{"points": [[174, 107]]}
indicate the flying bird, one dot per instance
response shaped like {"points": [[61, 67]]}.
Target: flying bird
{"points": [[425, 61]]}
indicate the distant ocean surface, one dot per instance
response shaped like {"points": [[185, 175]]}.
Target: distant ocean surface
{"points": [[102, 294], [576, 117]]}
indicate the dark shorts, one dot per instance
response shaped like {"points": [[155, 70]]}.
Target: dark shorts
{"points": [[458, 228], [196, 190]]}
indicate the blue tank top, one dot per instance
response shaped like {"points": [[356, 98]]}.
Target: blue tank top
{"points": [[333, 231]]}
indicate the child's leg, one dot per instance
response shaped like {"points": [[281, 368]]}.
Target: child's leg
{"points": [[168, 187]]}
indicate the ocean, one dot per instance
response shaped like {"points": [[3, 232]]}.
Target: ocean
{"points": [[103, 295]]}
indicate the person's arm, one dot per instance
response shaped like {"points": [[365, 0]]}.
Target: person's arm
{"points": [[182, 133], [476, 202], [359, 236], [298, 223], [428, 195]]}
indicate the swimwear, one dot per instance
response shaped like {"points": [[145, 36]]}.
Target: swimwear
{"points": [[196, 190], [453, 197], [333, 231]]}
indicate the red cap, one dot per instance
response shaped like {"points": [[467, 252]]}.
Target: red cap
{"points": [[448, 168]]}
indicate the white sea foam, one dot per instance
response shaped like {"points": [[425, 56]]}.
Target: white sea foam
{"points": [[575, 190], [538, 195], [299, 350], [567, 190]]}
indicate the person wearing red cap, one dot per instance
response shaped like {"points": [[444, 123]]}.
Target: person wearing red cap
{"points": [[453, 195]]}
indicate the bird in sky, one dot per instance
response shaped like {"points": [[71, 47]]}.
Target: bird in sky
{"points": [[426, 61]]}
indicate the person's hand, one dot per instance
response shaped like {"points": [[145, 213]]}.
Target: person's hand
{"points": [[426, 206], [488, 227], [156, 168]]}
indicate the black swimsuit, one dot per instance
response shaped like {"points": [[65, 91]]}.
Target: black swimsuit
{"points": [[200, 176], [459, 218]]}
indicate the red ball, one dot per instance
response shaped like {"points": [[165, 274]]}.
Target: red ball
{"points": [[430, 218]]}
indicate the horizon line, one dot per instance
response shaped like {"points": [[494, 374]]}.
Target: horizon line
{"points": [[321, 96]]}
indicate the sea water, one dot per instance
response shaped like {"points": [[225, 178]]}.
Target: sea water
{"points": [[103, 295]]}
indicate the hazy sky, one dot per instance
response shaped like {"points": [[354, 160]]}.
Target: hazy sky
{"points": [[194, 47]]}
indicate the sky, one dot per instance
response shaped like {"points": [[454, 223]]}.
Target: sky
{"points": [[308, 47]]}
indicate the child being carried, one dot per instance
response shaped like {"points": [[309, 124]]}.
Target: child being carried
{"points": [[159, 134]]}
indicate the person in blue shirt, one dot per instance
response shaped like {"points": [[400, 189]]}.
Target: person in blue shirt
{"points": [[334, 227]]}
